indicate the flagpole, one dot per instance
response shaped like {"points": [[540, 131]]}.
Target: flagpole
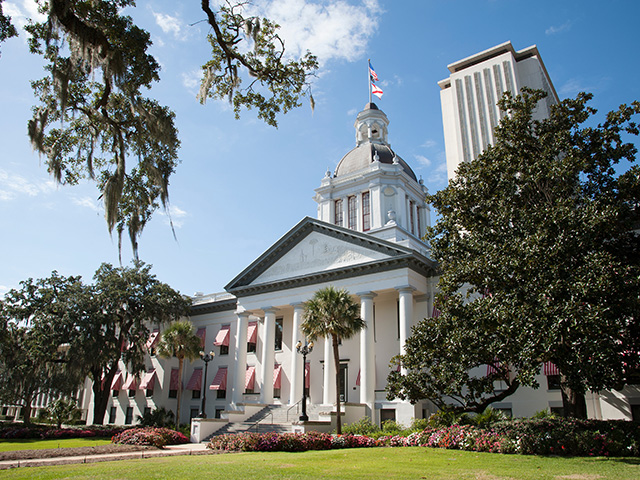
{"points": [[369, 80]]}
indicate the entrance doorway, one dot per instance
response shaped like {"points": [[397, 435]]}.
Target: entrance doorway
{"points": [[343, 382]]}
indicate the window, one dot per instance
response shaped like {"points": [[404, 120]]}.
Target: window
{"points": [[366, 212], [149, 392], [553, 382], [116, 393], [218, 413], [351, 212], [635, 413], [195, 394], [129, 416], [411, 217], [278, 339], [276, 393], [112, 414], [337, 216], [132, 392], [221, 394], [224, 349], [251, 347], [559, 411], [147, 411], [193, 413], [387, 414], [418, 222], [252, 337], [507, 411], [173, 393]]}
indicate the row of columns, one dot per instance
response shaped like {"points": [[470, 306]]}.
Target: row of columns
{"points": [[367, 351]]}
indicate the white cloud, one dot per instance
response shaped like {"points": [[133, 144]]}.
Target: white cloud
{"points": [[429, 143], [572, 87], [353, 112], [175, 216], [87, 202], [332, 29], [191, 80], [12, 185], [558, 29], [423, 161], [4, 289], [171, 25], [21, 12]]}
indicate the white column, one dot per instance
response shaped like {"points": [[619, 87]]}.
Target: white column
{"points": [[240, 360], [367, 351], [268, 355], [329, 378], [406, 316], [295, 393]]}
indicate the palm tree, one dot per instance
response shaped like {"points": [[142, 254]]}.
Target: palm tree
{"points": [[179, 340], [333, 314]]}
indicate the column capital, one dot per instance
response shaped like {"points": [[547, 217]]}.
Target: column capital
{"points": [[367, 295], [242, 313], [405, 289], [269, 309], [297, 304]]}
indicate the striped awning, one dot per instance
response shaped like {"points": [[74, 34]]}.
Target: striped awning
{"points": [[202, 334], [149, 380], [252, 332], [222, 338], [220, 380], [195, 382], [154, 337], [277, 376], [131, 383], [307, 375], [250, 378], [174, 382], [117, 381], [550, 368]]}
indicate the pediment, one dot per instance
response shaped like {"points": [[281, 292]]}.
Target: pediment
{"points": [[316, 253], [313, 248]]}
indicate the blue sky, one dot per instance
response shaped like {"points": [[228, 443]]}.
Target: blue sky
{"points": [[242, 184]]}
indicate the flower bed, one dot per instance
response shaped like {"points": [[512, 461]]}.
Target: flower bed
{"points": [[22, 432], [551, 436], [156, 437]]}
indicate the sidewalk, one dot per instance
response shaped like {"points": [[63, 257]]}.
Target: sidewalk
{"points": [[168, 451]]}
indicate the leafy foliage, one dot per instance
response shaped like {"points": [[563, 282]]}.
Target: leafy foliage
{"points": [[332, 314], [158, 417], [156, 437], [63, 411], [93, 120], [540, 262], [7, 30]]}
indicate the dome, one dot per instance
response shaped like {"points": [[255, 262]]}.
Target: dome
{"points": [[363, 155]]}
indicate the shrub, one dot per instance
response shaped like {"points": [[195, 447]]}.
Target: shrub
{"points": [[364, 426], [40, 431], [160, 417], [156, 437]]}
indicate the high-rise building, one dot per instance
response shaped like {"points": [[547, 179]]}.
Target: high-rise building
{"points": [[469, 97]]}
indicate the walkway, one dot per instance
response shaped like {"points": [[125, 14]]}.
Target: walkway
{"points": [[168, 451]]}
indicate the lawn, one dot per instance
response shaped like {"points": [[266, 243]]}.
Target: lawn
{"points": [[356, 464], [37, 444]]}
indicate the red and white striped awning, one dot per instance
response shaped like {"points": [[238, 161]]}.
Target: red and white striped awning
{"points": [[117, 381], [220, 380], [195, 382], [250, 378], [277, 376], [252, 332], [149, 380], [550, 368], [307, 375], [174, 382], [131, 383], [222, 338], [154, 337], [202, 334]]}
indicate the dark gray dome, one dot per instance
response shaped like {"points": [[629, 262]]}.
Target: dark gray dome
{"points": [[362, 156]]}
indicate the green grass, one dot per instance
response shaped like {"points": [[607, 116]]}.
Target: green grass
{"points": [[356, 464], [37, 444]]}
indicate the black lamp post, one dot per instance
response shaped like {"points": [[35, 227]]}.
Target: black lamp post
{"points": [[206, 358], [305, 350]]}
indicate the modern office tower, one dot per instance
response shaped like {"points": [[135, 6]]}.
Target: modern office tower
{"points": [[469, 97]]}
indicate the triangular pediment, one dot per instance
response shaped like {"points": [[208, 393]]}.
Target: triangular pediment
{"points": [[313, 248]]}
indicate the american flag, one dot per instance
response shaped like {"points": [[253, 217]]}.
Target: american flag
{"points": [[372, 73]]}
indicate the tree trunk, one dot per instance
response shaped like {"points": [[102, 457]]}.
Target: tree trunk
{"points": [[101, 391], [574, 403], [26, 412], [180, 363], [336, 361]]}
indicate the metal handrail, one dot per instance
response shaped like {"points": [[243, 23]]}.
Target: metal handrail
{"points": [[297, 404], [259, 421]]}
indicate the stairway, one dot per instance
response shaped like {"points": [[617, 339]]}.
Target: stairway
{"points": [[272, 418]]}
